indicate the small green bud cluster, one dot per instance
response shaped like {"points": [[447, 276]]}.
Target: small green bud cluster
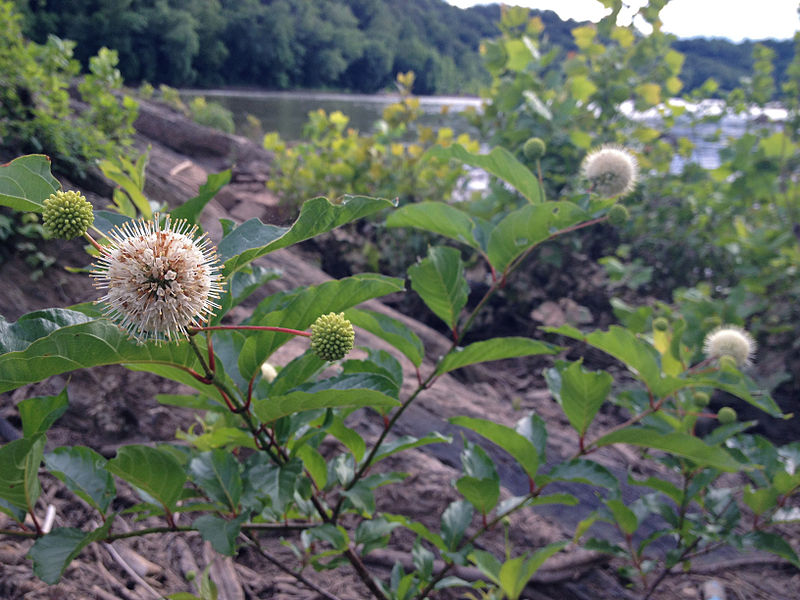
{"points": [[618, 215], [332, 336], [660, 324], [534, 148], [701, 399], [67, 215], [726, 415]]}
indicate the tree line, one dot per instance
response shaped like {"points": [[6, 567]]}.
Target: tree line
{"points": [[357, 45]]}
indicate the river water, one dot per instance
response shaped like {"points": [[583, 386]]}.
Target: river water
{"points": [[287, 113]]}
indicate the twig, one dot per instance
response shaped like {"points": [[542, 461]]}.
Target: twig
{"points": [[253, 543]]}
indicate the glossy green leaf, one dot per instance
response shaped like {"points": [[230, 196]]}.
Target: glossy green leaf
{"points": [[679, 444], [239, 286], [26, 182], [436, 217], [349, 437], [640, 357], [277, 482], [455, 520], [362, 498], [493, 349], [253, 238], [389, 330], [508, 439], [440, 282], [580, 393], [498, 162], [528, 226], [217, 473], [534, 429], [156, 472], [191, 209], [418, 528], [219, 532], [299, 309], [84, 473], [374, 534], [482, 493], [54, 341], [39, 414]]}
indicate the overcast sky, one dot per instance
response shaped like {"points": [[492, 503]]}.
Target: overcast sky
{"points": [[733, 19]]}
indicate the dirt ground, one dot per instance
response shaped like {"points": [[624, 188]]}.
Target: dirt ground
{"points": [[111, 406]]}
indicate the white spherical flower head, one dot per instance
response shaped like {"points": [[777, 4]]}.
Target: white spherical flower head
{"points": [[159, 279], [611, 171], [733, 341]]}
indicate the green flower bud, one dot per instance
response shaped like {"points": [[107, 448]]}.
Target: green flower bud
{"points": [[534, 148], [701, 399], [67, 215], [660, 324], [618, 215], [332, 336], [726, 415]]}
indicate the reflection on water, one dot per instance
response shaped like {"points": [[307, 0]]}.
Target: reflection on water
{"points": [[287, 112]]}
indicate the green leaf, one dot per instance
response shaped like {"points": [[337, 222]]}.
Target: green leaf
{"points": [[528, 226], [436, 217], [217, 474], [39, 414], [482, 493], [623, 516], [54, 341], [584, 471], [769, 542], [26, 182], [418, 528], [515, 573], [253, 238], [52, 553], [156, 472], [297, 372], [580, 393], [299, 309], [455, 520], [362, 498], [679, 444], [499, 162], [389, 330], [640, 357], [84, 473], [315, 464], [192, 208], [219, 532], [277, 482], [349, 437], [374, 534], [240, 286], [508, 439], [19, 468], [487, 563], [270, 409], [440, 282], [493, 349], [406, 442]]}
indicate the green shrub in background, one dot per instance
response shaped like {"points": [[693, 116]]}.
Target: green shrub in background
{"points": [[212, 114], [35, 110]]}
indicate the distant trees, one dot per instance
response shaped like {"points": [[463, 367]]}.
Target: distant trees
{"points": [[359, 45]]}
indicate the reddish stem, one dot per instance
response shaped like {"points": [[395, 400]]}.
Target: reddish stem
{"points": [[250, 328]]}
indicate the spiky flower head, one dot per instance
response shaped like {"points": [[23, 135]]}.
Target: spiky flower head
{"points": [[159, 279], [66, 215], [534, 148], [332, 336], [732, 341], [611, 171]]}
